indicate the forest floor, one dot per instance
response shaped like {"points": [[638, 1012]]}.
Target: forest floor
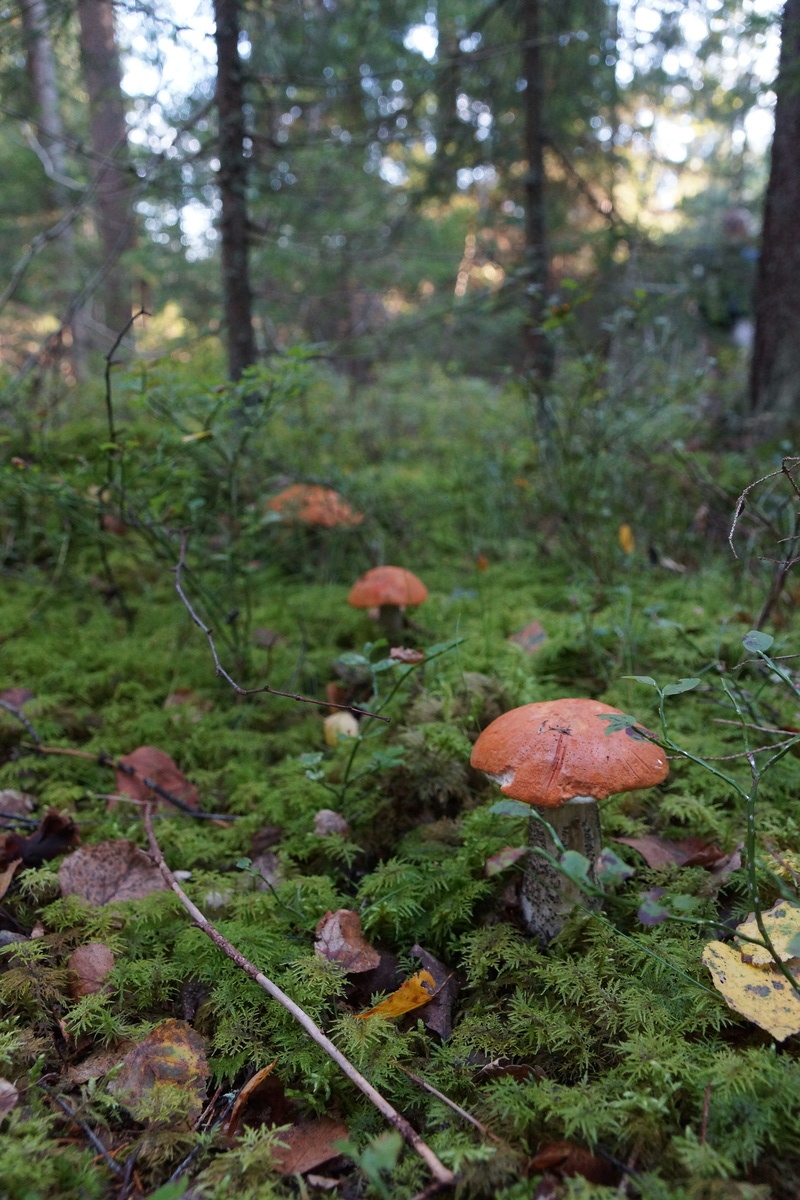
{"points": [[136, 1059]]}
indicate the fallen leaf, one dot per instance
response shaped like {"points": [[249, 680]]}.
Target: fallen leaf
{"points": [[108, 872], [56, 834], [245, 1093], [162, 1079], [340, 940], [265, 639], [8, 1097], [782, 923], [193, 704], [15, 804], [412, 994], [531, 638], [94, 1066], [567, 1159], [147, 763], [91, 965], [269, 868], [340, 724], [406, 654], [438, 1015], [626, 539], [326, 822], [503, 859], [660, 852], [309, 1144], [761, 994], [7, 874], [17, 696]]}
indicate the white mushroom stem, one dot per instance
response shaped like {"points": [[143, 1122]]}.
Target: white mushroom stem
{"points": [[548, 896]]}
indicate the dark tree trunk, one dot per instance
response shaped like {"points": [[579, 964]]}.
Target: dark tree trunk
{"points": [[775, 372], [537, 351], [41, 66], [108, 134], [234, 227]]}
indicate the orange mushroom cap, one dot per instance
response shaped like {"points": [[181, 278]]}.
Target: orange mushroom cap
{"points": [[548, 753], [314, 505], [387, 585]]}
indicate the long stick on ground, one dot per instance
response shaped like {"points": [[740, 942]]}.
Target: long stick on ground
{"points": [[440, 1172]]}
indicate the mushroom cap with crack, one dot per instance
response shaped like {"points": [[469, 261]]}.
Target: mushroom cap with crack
{"points": [[312, 504], [549, 753], [387, 586]]}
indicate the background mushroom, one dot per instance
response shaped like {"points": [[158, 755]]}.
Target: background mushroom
{"points": [[312, 504], [559, 757], [391, 590]]}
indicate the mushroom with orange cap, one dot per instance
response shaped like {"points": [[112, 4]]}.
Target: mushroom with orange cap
{"points": [[391, 590], [312, 504], [561, 757]]}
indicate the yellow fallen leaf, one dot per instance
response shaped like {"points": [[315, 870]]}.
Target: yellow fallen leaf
{"points": [[626, 539], [782, 923], [338, 725], [410, 995], [761, 994]]}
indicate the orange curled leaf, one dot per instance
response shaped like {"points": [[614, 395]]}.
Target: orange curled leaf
{"points": [[240, 1103], [415, 992]]}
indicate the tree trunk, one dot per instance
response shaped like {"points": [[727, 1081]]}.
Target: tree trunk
{"points": [[108, 135], [234, 226], [41, 65], [775, 371], [537, 351]]}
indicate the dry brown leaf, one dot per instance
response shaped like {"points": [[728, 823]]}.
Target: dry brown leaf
{"points": [[412, 994], [15, 804], [340, 940], [162, 1079], [94, 1066], [246, 1092], [149, 763], [7, 874], [56, 834], [17, 696], [567, 1159], [91, 964], [8, 1097], [660, 852], [531, 638], [326, 822], [308, 1145], [108, 872], [438, 1015], [406, 654]]}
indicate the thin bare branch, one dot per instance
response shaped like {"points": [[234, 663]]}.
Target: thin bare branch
{"points": [[441, 1173], [220, 670]]}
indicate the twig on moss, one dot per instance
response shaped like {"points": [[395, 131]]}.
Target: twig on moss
{"points": [[462, 1112], [441, 1173], [106, 760], [220, 670], [20, 716], [91, 1136]]}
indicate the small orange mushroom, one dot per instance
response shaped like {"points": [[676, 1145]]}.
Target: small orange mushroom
{"points": [[312, 504], [559, 757], [391, 590]]}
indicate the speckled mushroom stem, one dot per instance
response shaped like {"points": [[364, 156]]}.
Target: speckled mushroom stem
{"points": [[547, 896], [391, 621]]}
